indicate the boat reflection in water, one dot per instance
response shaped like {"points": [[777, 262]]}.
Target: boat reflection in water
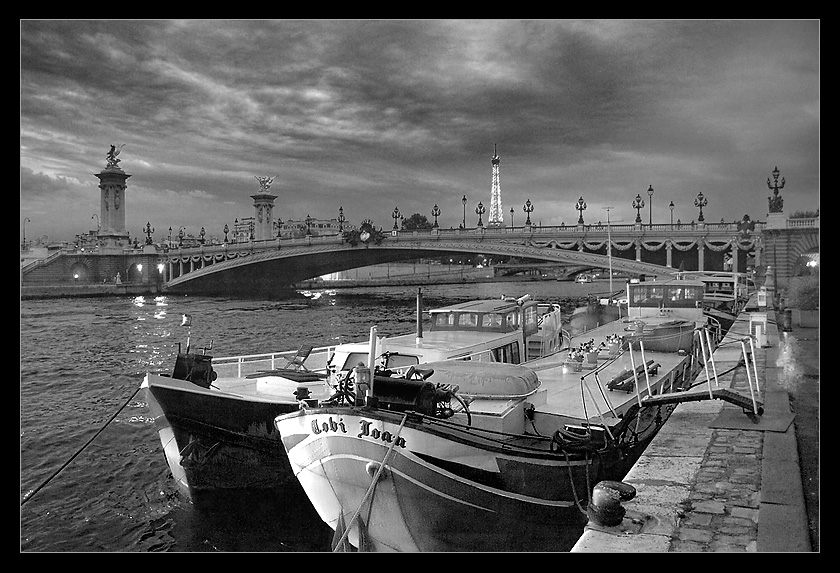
{"points": [[462, 455]]}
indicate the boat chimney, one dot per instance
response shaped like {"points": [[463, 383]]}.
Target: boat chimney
{"points": [[419, 315]]}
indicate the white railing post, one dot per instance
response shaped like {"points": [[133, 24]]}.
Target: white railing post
{"points": [[706, 364], [635, 374], [749, 378], [711, 356], [644, 363], [755, 367]]}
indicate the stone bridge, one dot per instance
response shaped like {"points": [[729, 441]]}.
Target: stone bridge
{"points": [[266, 266]]}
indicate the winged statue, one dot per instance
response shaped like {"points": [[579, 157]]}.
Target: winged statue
{"points": [[265, 182], [112, 155]]}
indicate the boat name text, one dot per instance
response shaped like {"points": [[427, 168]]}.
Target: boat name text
{"points": [[366, 430]]}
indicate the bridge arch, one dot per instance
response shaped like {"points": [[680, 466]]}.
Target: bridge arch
{"points": [[271, 270]]}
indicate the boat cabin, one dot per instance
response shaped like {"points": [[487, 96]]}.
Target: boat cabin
{"points": [[505, 330], [505, 315], [671, 299], [721, 288]]}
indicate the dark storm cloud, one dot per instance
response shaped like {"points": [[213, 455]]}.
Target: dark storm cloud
{"points": [[367, 114]]}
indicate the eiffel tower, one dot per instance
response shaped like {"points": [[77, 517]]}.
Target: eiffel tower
{"points": [[497, 217]]}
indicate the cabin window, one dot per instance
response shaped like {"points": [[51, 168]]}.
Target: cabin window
{"points": [[508, 353], [491, 320], [637, 296], [693, 294], [468, 319], [512, 319], [684, 296], [530, 316], [353, 360], [401, 361], [443, 320], [649, 295]]}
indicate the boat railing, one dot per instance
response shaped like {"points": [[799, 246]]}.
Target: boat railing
{"points": [[239, 366], [752, 383], [640, 368]]}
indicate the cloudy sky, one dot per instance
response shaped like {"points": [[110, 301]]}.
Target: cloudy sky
{"points": [[373, 115]]}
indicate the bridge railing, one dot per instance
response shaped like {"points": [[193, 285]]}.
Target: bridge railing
{"points": [[520, 231], [804, 223]]}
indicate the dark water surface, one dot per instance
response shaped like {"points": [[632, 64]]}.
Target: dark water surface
{"points": [[83, 360]]}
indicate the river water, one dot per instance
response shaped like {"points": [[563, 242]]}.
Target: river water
{"points": [[89, 450]]}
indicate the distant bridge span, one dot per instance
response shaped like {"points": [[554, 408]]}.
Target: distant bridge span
{"points": [[224, 270]]}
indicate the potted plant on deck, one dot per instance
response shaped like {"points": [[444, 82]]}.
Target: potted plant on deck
{"points": [[613, 343], [575, 359], [803, 298], [590, 351]]}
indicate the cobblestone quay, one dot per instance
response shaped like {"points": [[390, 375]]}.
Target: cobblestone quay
{"points": [[715, 480]]}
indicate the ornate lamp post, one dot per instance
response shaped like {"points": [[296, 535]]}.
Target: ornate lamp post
{"points": [[149, 231], [775, 202], [700, 202], [341, 219], [24, 230], [650, 205], [308, 225], [435, 214], [201, 234], [396, 216], [581, 207], [169, 240], [227, 230], [528, 208], [464, 222], [511, 217], [671, 207], [480, 210], [637, 204]]}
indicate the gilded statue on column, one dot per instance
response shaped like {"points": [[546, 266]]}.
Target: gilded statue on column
{"points": [[112, 156], [265, 182]]}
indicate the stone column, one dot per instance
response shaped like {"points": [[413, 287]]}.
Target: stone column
{"points": [[735, 250], [263, 217], [701, 251], [112, 204], [669, 247], [263, 207]]}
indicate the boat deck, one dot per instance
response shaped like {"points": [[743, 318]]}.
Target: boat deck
{"points": [[583, 395], [251, 376]]}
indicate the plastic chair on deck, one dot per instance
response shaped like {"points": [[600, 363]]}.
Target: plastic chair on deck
{"points": [[296, 362]]}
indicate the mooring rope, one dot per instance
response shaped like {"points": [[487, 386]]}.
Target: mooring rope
{"points": [[28, 496], [372, 486]]}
